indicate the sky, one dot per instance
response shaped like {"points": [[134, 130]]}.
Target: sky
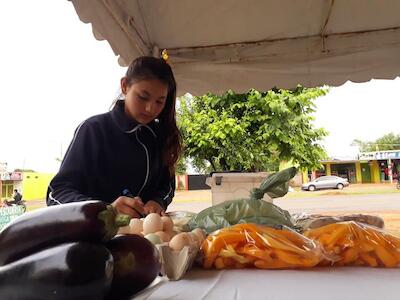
{"points": [[54, 74]]}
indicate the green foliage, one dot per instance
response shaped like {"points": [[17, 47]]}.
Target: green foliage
{"points": [[24, 170], [389, 141], [249, 132], [181, 166]]}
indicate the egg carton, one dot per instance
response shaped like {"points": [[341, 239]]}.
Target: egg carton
{"points": [[176, 263]]}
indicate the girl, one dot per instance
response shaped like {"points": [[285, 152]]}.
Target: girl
{"points": [[129, 151]]}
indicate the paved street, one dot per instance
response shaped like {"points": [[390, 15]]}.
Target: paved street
{"points": [[386, 202], [345, 203], [196, 201]]}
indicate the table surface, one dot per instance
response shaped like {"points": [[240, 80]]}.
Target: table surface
{"points": [[338, 283]]}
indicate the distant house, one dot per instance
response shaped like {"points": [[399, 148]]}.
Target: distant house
{"points": [[32, 185], [369, 167]]}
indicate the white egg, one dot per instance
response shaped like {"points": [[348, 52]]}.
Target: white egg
{"points": [[152, 223], [168, 224], [124, 230], [179, 241], [153, 238], [194, 238], [164, 236], [136, 226], [200, 233]]}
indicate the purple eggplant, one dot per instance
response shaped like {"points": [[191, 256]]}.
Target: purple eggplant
{"points": [[72, 271], [92, 221], [136, 265]]}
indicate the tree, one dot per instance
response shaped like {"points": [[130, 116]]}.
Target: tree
{"points": [[388, 141], [24, 170], [249, 132], [181, 166]]}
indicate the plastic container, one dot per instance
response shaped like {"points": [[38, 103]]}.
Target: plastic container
{"points": [[230, 186]]}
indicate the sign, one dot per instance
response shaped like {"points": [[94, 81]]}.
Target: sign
{"points": [[5, 176], [380, 155], [16, 176], [11, 176], [9, 213]]}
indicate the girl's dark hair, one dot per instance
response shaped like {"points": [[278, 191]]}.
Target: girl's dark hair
{"points": [[146, 68]]}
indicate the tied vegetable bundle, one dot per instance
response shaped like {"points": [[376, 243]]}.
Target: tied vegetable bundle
{"points": [[357, 244], [70, 251], [250, 245]]}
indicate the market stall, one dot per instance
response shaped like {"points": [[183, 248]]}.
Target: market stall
{"points": [[214, 46], [242, 248], [254, 249], [321, 283]]}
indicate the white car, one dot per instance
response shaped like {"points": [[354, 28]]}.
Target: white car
{"points": [[325, 182]]}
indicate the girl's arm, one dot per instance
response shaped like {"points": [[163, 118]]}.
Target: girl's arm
{"points": [[71, 182], [164, 192]]}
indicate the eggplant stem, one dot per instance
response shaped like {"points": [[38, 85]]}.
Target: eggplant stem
{"points": [[122, 220], [112, 222]]}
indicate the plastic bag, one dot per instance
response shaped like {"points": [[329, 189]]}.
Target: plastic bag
{"points": [[310, 221], [230, 213], [357, 244], [276, 185], [253, 210], [250, 245]]}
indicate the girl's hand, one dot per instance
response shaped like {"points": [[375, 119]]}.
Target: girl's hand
{"points": [[153, 207], [129, 206]]}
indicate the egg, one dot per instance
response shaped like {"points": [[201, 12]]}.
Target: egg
{"points": [[124, 230], [168, 224], [152, 223], [171, 234], [179, 241], [136, 226], [164, 236], [153, 238], [200, 233], [194, 238]]}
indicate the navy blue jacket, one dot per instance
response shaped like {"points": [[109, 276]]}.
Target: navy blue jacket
{"points": [[109, 153]]}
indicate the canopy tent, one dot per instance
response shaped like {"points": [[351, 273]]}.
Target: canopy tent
{"points": [[233, 44]]}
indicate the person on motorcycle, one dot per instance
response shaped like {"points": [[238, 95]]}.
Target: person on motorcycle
{"points": [[17, 199]]}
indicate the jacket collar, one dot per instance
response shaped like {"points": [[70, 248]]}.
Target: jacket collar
{"points": [[127, 124]]}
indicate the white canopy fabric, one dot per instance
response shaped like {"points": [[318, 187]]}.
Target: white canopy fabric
{"points": [[214, 46]]}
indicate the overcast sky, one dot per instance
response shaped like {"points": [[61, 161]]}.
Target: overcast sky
{"points": [[54, 74]]}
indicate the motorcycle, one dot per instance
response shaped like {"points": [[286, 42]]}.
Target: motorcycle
{"points": [[12, 203]]}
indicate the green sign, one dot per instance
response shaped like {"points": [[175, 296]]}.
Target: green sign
{"points": [[7, 214]]}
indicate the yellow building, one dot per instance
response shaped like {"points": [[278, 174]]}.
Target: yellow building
{"points": [[32, 185]]}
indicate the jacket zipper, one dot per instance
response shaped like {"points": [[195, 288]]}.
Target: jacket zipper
{"points": [[147, 163]]}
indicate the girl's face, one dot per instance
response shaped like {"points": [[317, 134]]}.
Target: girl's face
{"points": [[145, 99]]}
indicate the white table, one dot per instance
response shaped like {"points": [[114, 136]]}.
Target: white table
{"points": [[339, 283]]}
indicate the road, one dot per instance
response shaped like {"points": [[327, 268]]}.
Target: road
{"points": [[348, 203], [329, 203], [196, 201]]}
